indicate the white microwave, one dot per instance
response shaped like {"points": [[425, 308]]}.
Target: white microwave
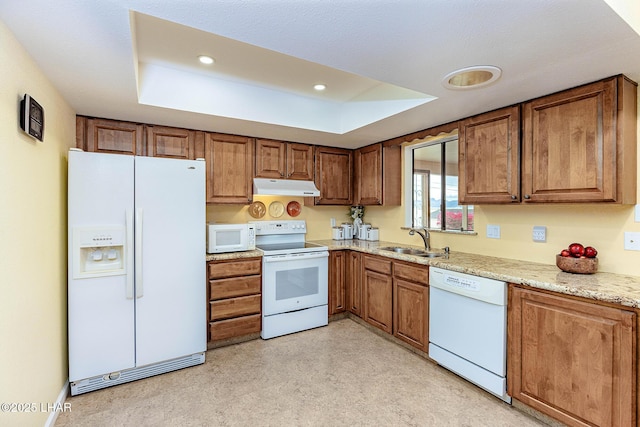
{"points": [[230, 237]]}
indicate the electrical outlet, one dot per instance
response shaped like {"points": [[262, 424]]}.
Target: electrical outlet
{"points": [[493, 231], [333, 222], [631, 241], [539, 233], [637, 213]]}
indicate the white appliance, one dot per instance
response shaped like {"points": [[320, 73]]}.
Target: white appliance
{"points": [[284, 187], [373, 234], [362, 231], [349, 230], [230, 237], [136, 285], [468, 328], [295, 278], [337, 233]]}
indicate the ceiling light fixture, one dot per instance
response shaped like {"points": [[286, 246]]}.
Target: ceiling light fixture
{"points": [[319, 87], [205, 59], [472, 77]]}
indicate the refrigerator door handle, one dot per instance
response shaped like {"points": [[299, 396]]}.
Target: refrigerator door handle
{"points": [[138, 261], [129, 252]]}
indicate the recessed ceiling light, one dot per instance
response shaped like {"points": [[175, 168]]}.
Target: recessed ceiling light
{"points": [[472, 77], [205, 59], [319, 87]]}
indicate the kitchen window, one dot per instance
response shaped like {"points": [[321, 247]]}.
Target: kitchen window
{"points": [[432, 170]]}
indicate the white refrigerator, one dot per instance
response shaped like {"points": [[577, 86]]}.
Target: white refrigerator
{"points": [[136, 278]]}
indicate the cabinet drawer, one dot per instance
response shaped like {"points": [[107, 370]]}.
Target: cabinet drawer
{"points": [[413, 272], [235, 268], [235, 327], [234, 287], [233, 307], [378, 264]]}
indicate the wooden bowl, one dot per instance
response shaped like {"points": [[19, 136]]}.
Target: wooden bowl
{"points": [[577, 265]]}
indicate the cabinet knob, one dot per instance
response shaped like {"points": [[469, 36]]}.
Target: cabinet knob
{"points": [[526, 196], [514, 197]]}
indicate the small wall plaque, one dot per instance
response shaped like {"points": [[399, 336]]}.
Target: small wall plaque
{"points": [[32, 117]]}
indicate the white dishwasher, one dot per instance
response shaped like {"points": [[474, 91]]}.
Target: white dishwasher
{"points": [[468, 328]]}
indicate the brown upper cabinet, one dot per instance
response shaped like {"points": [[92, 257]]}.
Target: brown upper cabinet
{"points": [[109, 136], [578, 145], [284, 160], [489, 156], [113, 136], [171, 142], [377, 175], [333, 172], [229, 168]]}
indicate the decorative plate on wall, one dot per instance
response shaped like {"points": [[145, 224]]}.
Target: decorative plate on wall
{"points": [[294, 208], [257, 209], [276, 209]]}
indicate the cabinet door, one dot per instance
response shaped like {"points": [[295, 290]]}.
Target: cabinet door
{"points": [[572, 360], [354, 283], [270, 159], [569, 145], [111, 136], [229, 169], [171, 142], [299, 161], [411, 313], [368, 175], [333, 176], [337, 276], [488, 157], [378, 290]]}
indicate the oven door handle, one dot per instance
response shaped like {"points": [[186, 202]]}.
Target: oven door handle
{"points": [[295, 257]]}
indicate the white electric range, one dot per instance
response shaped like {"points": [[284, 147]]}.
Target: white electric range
{"points": [[295, 278]]}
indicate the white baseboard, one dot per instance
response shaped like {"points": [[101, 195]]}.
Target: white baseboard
{"points": [[53, 415]]}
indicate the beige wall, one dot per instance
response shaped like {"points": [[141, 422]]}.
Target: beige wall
{"points": [[33, 338], [318, 218]]}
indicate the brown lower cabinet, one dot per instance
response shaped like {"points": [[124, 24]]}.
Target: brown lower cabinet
{"points": [[377, 285], [396, 298], [411, 304], [235, 303], [354, 283], [337, 281], [572, 360]]}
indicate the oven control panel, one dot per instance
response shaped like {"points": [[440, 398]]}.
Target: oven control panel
{"points": [[280, 227]]}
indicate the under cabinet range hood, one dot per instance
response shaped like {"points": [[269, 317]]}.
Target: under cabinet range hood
{"points": [[284, 187]]}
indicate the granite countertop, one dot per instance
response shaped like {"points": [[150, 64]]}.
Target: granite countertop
{"points": [[234, 255], [606, 287]]}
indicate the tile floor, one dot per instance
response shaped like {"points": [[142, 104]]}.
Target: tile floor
{"points": [[342, 374]]}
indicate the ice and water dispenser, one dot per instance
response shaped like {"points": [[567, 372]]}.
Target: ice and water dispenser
{"points": [[98, 251]]}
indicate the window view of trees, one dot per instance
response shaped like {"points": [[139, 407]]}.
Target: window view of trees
{"points": [[433, 200]]}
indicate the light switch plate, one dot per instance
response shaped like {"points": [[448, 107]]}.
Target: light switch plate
{"points": [[493, 231], [631, 241], [333, 222], [539, 233]]}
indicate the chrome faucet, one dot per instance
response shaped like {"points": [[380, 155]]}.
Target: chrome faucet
{"points": [[426, 237]]}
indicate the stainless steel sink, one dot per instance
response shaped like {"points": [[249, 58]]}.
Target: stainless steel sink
{"points": [[412, 251], [401, 250]]}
